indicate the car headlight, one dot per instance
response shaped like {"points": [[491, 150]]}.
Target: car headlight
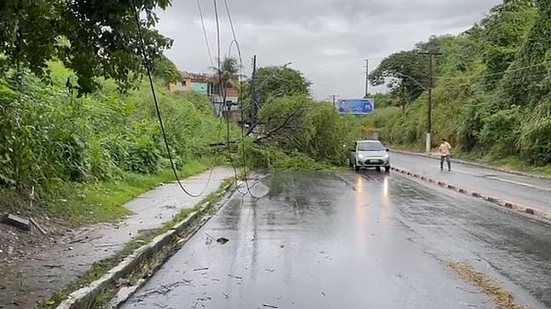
{"points": [[386, 156], [360, 156]]}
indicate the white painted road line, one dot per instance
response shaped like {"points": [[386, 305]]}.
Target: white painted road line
{"points": [[519, 183], [501, 179]]}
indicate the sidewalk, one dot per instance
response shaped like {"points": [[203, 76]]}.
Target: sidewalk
{"points": [[28, 283]]}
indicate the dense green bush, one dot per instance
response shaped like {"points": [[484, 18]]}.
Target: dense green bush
{"points": [[535, 141], [500, 131], [49, 133]]}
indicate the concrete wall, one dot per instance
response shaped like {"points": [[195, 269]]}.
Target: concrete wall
{"points": [[202, 88], [185, 85]]}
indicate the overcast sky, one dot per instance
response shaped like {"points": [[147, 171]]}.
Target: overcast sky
{"points": [[327, 40]]}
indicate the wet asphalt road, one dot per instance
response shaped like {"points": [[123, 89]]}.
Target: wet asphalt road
{"points": [[353, 241], [526, 191]]}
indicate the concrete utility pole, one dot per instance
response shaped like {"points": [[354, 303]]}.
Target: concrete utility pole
{"points": [[366, 78], [431, 55], [254, 101], [334, 100]]}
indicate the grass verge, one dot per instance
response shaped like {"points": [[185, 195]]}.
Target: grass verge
{"points": [[88, 203], [502, 298], [100, 268]]}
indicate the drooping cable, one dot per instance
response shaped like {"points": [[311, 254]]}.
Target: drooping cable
{"points": [[205, 32], [242, 68], [147, 64], [222, 92]]}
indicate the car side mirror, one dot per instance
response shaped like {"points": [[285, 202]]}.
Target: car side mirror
{"points": [[387, 150]]}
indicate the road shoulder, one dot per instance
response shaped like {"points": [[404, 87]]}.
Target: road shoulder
{"points": [[476, 164]]}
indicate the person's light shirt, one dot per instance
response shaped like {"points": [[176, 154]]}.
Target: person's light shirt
{"points": [[445, 148]]}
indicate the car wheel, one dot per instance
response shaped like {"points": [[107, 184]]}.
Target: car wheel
{"points": [[356, 168], [387, 169]]}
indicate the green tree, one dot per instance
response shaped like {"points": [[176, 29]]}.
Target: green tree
{"points": [[93, 38], [297, 124], [527, 82], [228, 74], [405, 69], [504, 30], [279, 81], [166, 70]]}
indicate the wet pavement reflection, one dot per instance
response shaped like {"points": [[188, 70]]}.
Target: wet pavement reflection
{"points": [[371, 240]]}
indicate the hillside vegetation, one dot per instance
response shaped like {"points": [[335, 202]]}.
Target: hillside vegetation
{"points": [[75, 151], [492, 94]]}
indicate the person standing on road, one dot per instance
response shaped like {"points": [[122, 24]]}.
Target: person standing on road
{"points": [[445, 152]]}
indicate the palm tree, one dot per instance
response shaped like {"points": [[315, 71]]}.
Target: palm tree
{"points": [[228, 74]]}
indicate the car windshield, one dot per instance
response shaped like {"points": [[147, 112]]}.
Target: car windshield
{"points": [[370, 146]]}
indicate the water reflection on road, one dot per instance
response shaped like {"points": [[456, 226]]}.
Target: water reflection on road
{"points": [[353, 241]]}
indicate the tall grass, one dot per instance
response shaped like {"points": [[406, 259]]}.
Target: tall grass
{"points": [[50, 138]]}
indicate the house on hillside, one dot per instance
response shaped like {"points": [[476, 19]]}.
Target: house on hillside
{"points": [[183, 85], [200, 83], [209, 85], [224, 99]]}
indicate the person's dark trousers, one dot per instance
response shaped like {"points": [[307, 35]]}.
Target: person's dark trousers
{"points": [[447, 158]]}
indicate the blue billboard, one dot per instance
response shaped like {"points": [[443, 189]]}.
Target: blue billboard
{"points": [[356, 107]]}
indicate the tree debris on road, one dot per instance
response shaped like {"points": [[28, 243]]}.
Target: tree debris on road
{"points": [[222, 240], [17, 221], [501, 297]]}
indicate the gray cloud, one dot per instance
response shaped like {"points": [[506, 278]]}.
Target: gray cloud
{"points": [[326, 39]]}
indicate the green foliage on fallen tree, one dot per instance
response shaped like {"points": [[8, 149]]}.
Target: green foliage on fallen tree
{"points": [[298, 124]]}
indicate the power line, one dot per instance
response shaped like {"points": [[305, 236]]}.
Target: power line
{"points": [[242, 69], [233, 34], [243, 152], [157, 109], [222, 90], [495, 74], [212, 65], [205, 32]]}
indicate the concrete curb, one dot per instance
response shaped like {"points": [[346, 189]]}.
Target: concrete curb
{"points": [[85, 296], [509, 206], [476, 165]]}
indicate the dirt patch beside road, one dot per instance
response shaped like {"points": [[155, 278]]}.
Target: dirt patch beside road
{"points": [[16, 245]]}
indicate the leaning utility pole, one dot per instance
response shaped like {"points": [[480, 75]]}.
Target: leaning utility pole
{"points": [[334, 100], [428, 141], [366, 78], [254, 101]]}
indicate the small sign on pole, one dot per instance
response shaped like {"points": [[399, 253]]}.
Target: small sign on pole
{"points": [[360, 107]]}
